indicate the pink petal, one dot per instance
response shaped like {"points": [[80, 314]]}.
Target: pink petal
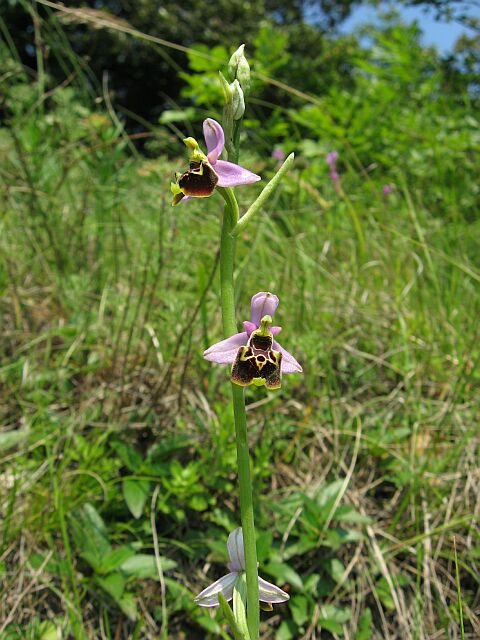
{"points": [[263, 303], [289, 364], [249, 327], [233, 175], [214, 138], [236, 551], [268, 592], [225, 351]]}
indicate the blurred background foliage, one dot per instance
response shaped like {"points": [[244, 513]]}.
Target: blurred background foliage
{"points": [[117, 484]]}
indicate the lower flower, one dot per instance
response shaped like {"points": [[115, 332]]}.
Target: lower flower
{"points": [[268, 592]]}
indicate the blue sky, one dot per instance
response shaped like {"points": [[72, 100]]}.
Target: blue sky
{"points": [[439, 33]]}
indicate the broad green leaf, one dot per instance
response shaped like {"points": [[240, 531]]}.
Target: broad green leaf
{"points": [[287, 630], [116, 558], [135, 493], [364, 631], [328, 493], [128, 605], [331, 625], [385, 595], [336, 569], [348, 513], [337, 614], [177, 115], [9, 439], [144, 565], [128, 455], [299, 607], [113, 584], [49, 631], [283, 573], [90, 535]]}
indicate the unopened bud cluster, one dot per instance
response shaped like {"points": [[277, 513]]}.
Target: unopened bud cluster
{"points": [[236, 90], [239, 69], [234, 99]]}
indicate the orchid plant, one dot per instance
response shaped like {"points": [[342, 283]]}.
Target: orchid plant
{"points": [[255, 356]]}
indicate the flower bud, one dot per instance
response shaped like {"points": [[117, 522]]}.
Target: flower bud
{"points": [[227, 88], [239, 69], [234, 100], [238, 101], [234, 60]]}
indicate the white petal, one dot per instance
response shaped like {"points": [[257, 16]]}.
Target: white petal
{"points": [[268, 592], [209, 596], [236, 551]]}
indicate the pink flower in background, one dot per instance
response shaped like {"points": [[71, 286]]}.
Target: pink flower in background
{"points": [[331, 160], [279, 154], [207, 171], [387, 190]]}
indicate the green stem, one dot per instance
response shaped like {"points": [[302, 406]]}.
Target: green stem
{"points": [[227, 255]]}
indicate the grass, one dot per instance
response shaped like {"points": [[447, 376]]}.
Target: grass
{"points": [[117, 483]]}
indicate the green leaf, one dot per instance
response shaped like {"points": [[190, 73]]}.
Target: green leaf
{"points": [[240, 604], [135, 493], [286, 631], [129, 606], [331, 625], [90, 535], [328, 494], [364, 631], [143, 565], [228, 613], [336, 569], [299, 608], [348, 513], [116, 558], [49, 631], [114, 585], [177, 115], [335, 614], [283, 573], [198, 503], [9, 439], [385, 595], [128, 455]]}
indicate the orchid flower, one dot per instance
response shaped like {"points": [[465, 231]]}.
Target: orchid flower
{"points": [[257, 358], [268, 592], [206, 171]]}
